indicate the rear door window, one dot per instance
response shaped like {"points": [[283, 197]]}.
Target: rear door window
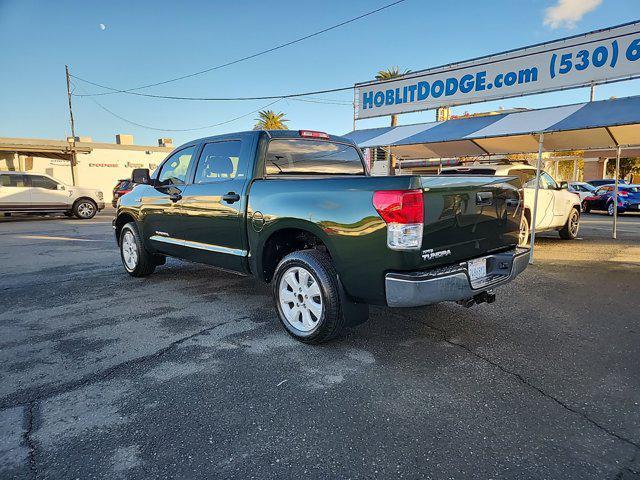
{"points": [[12, 181], [220, 161], [312, 157], [527, 177]]}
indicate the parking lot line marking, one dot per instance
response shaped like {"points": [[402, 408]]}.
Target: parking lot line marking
{"points": [[65, 239]]}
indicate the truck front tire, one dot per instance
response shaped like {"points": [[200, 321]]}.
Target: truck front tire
{"points": [[85, 208], [307, 297], [571, 228], [135, 259]]}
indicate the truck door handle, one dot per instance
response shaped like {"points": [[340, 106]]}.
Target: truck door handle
{"points": [[231, 197], [174, 197]]}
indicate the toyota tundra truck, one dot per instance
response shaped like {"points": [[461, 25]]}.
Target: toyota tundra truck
{"points": [[299, 210]]}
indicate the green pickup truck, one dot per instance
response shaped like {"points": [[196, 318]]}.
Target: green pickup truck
{"points": [[300, 210]]}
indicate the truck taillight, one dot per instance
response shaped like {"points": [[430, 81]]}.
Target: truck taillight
{"points": [[313, 134], [403, 212]]}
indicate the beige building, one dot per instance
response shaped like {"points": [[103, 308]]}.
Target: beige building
{"points": [[99, 165]]}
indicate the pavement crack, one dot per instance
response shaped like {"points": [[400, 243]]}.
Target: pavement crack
{"points": [[30, 411], [43, 393], [445, 336]]}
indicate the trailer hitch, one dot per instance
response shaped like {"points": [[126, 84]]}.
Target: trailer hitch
{"points": [[482, 297]]}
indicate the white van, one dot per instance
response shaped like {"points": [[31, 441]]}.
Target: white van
{"points": [[22, 192]]}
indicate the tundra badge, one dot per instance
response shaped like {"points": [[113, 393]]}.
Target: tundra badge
{"points": [[431, 255]]}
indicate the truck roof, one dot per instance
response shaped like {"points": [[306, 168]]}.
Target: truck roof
{"points": [[271, 133]]}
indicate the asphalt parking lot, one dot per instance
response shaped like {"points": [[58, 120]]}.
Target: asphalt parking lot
{"points": [[187, 374]]}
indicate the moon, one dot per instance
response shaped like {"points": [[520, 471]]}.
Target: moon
{"points": [[102, 26]]}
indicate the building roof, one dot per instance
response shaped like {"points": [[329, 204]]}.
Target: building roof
{"points": [[47, 148]]}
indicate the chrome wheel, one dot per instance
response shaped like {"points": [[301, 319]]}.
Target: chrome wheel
{"points": [[129, 251], [300, 299], [86, 210], [574, 224], [523, 235], [610, 209]]}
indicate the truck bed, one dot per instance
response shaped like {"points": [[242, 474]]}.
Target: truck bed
{"points": [[465, 217]]}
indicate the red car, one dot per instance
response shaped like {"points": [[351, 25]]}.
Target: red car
{"points": [[122, 187]]}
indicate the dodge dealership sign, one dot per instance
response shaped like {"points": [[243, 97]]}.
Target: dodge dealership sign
{"points": [[597, 57]]}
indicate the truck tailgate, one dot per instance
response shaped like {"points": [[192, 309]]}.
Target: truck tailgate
{"points": [[468, 216]]}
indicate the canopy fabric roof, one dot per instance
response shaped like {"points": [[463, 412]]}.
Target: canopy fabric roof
{"points": [[604, 124]]}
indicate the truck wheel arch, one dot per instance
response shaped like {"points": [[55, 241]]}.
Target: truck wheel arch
{"points": [[283, 241], [121, 221]]}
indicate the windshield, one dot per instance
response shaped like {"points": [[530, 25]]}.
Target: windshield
{"points": [[312, 157]]}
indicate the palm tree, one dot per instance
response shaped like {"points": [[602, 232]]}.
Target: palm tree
{"points": [[388, 74], [270, 120]]}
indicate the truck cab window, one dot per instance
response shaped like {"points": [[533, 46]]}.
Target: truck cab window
{"points": [[174, 169], [547, 182], [312, 157], [220, 161], [43, 182]]}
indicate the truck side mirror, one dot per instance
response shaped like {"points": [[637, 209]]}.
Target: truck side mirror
{"points": [[564, 185], [141, 175]]}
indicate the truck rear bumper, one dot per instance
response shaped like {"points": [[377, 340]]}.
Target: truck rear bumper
{"points": [[452, 283]]}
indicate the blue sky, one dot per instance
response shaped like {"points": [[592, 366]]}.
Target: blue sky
{"points": [[150, 41]]}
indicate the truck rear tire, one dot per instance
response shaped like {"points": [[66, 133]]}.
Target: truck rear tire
{"points": [[135, 259], [307, 297]]}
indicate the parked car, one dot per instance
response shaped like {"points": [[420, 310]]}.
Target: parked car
{"points": [[582, 189], [605, 181], [602, 199], [122, 187], [299, 210], [22, 192], [558, 209]]}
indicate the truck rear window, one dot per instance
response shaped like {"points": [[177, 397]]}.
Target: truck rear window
{"points": [[312, 157]]}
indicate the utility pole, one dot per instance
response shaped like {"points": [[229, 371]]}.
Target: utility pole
{"points": [[73, 131]]}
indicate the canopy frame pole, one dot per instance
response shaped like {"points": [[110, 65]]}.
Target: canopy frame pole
{"points": [[535, 197], [614, 234], [575, 169]]}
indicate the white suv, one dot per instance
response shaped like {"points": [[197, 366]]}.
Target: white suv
{"points": [[558, 209], [39, 193]]}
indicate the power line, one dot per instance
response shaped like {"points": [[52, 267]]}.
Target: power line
{"points": [[220, 99], [131, 122], [242, 59]]}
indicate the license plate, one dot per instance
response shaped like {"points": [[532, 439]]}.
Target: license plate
{"points": [[477, 268]]}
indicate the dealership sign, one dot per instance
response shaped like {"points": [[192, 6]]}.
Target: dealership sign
{"points": [[602, 56]]}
